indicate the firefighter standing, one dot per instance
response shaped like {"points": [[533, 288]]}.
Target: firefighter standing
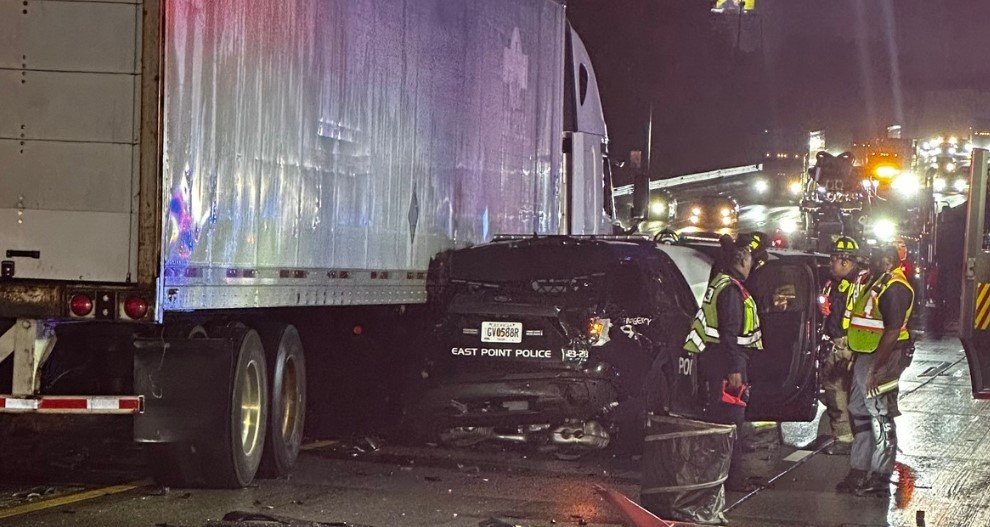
{"points": [[725, 330], [883, 349], [834, 303]]}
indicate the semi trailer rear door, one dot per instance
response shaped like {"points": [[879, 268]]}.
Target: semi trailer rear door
{"points": [[69, 114]]}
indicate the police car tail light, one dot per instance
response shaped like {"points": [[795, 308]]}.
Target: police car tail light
{"points": [[597, 330]]}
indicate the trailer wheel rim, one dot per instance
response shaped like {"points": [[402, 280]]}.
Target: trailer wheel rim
{"points": [[290, 399], [251, 408]]}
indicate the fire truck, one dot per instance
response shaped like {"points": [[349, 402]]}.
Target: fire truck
{"points": [[879, 200]]}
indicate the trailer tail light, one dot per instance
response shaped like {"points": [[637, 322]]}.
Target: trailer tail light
{"points": [[81, 305], [136, 308]]}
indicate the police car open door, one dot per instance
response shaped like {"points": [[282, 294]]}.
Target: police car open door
{"points": [[783, 377], [974, 319]]}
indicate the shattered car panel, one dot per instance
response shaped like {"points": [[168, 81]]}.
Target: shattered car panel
{"points": [[553, 336]]}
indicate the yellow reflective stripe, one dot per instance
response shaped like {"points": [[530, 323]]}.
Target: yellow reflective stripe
{"points": [[886, 387], [750, 339], [696, 340]]}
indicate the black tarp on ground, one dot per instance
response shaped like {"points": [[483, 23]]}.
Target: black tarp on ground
{"points": [[685, 463]]}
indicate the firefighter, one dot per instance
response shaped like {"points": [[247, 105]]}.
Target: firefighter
{"points": [[835, 304], [883, 349], [725, 331]]}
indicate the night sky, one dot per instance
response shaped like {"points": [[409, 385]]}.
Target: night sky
{"points": [[848, 66]]}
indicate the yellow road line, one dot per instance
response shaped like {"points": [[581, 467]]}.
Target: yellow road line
{"points": [[85, 495], [319, 444], [72, 498]]}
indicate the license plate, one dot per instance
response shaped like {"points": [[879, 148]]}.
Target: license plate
{"points": [[511, 332]]}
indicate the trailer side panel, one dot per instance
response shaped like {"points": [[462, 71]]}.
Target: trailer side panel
{"points": [[320, 152]]}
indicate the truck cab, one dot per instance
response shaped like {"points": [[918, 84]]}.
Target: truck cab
{"points": [[566, 341]]}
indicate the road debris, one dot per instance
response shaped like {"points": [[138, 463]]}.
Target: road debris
{"points": [[253, 519], [34, 493]]}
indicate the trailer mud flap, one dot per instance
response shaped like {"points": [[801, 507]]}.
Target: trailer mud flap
{"points": [[186, 387]]}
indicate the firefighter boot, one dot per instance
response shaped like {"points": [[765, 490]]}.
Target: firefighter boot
{"points": [[852, 481], [877, 485]]}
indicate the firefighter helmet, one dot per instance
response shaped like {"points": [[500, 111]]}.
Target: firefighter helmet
{"points": [[845, 246]]}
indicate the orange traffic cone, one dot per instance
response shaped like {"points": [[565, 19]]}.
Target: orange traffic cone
{"points": [[632, 514]]}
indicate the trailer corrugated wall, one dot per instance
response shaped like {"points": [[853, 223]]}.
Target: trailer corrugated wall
{"points": [[310, 139]]}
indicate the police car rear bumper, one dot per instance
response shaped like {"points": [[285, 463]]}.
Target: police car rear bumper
{"points": [[518, 399]]}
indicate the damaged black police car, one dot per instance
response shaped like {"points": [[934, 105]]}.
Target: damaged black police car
{"points": [[566, 341]]}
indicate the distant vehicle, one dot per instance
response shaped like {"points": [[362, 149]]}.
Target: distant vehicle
{"points": [[565, 341], [951, 179], [710, 213], [780, 189]]}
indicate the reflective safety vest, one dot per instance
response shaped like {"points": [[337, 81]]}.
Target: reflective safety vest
{"points": [[866, 321], [704, 329], [852, 290], [849, 288]]}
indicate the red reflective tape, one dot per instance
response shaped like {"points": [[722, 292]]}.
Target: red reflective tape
{"points": [[130, 404], [3, 402], [63, 404]]}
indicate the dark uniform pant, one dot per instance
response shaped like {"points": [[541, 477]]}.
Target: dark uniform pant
{"points": [[728, 414], [836, 378], [874, 433]]}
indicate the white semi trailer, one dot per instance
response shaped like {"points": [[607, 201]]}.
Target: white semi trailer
{"points": [[182, 180]]}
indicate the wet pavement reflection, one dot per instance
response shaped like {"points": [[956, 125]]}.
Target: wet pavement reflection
{"points": [[943, 478]]}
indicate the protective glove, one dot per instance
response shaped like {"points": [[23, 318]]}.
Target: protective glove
{"points": [[840, 347]]}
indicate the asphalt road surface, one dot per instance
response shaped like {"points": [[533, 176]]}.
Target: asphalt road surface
{"points": [[89, 475]]}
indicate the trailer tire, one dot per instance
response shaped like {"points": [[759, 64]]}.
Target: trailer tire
{"points": [[286, 415], [233, 459]]}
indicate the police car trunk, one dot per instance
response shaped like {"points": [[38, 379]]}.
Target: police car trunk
{"points": [[548, 329]]}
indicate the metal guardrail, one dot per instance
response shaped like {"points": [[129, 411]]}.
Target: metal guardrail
{"points": [[688, 179]]}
